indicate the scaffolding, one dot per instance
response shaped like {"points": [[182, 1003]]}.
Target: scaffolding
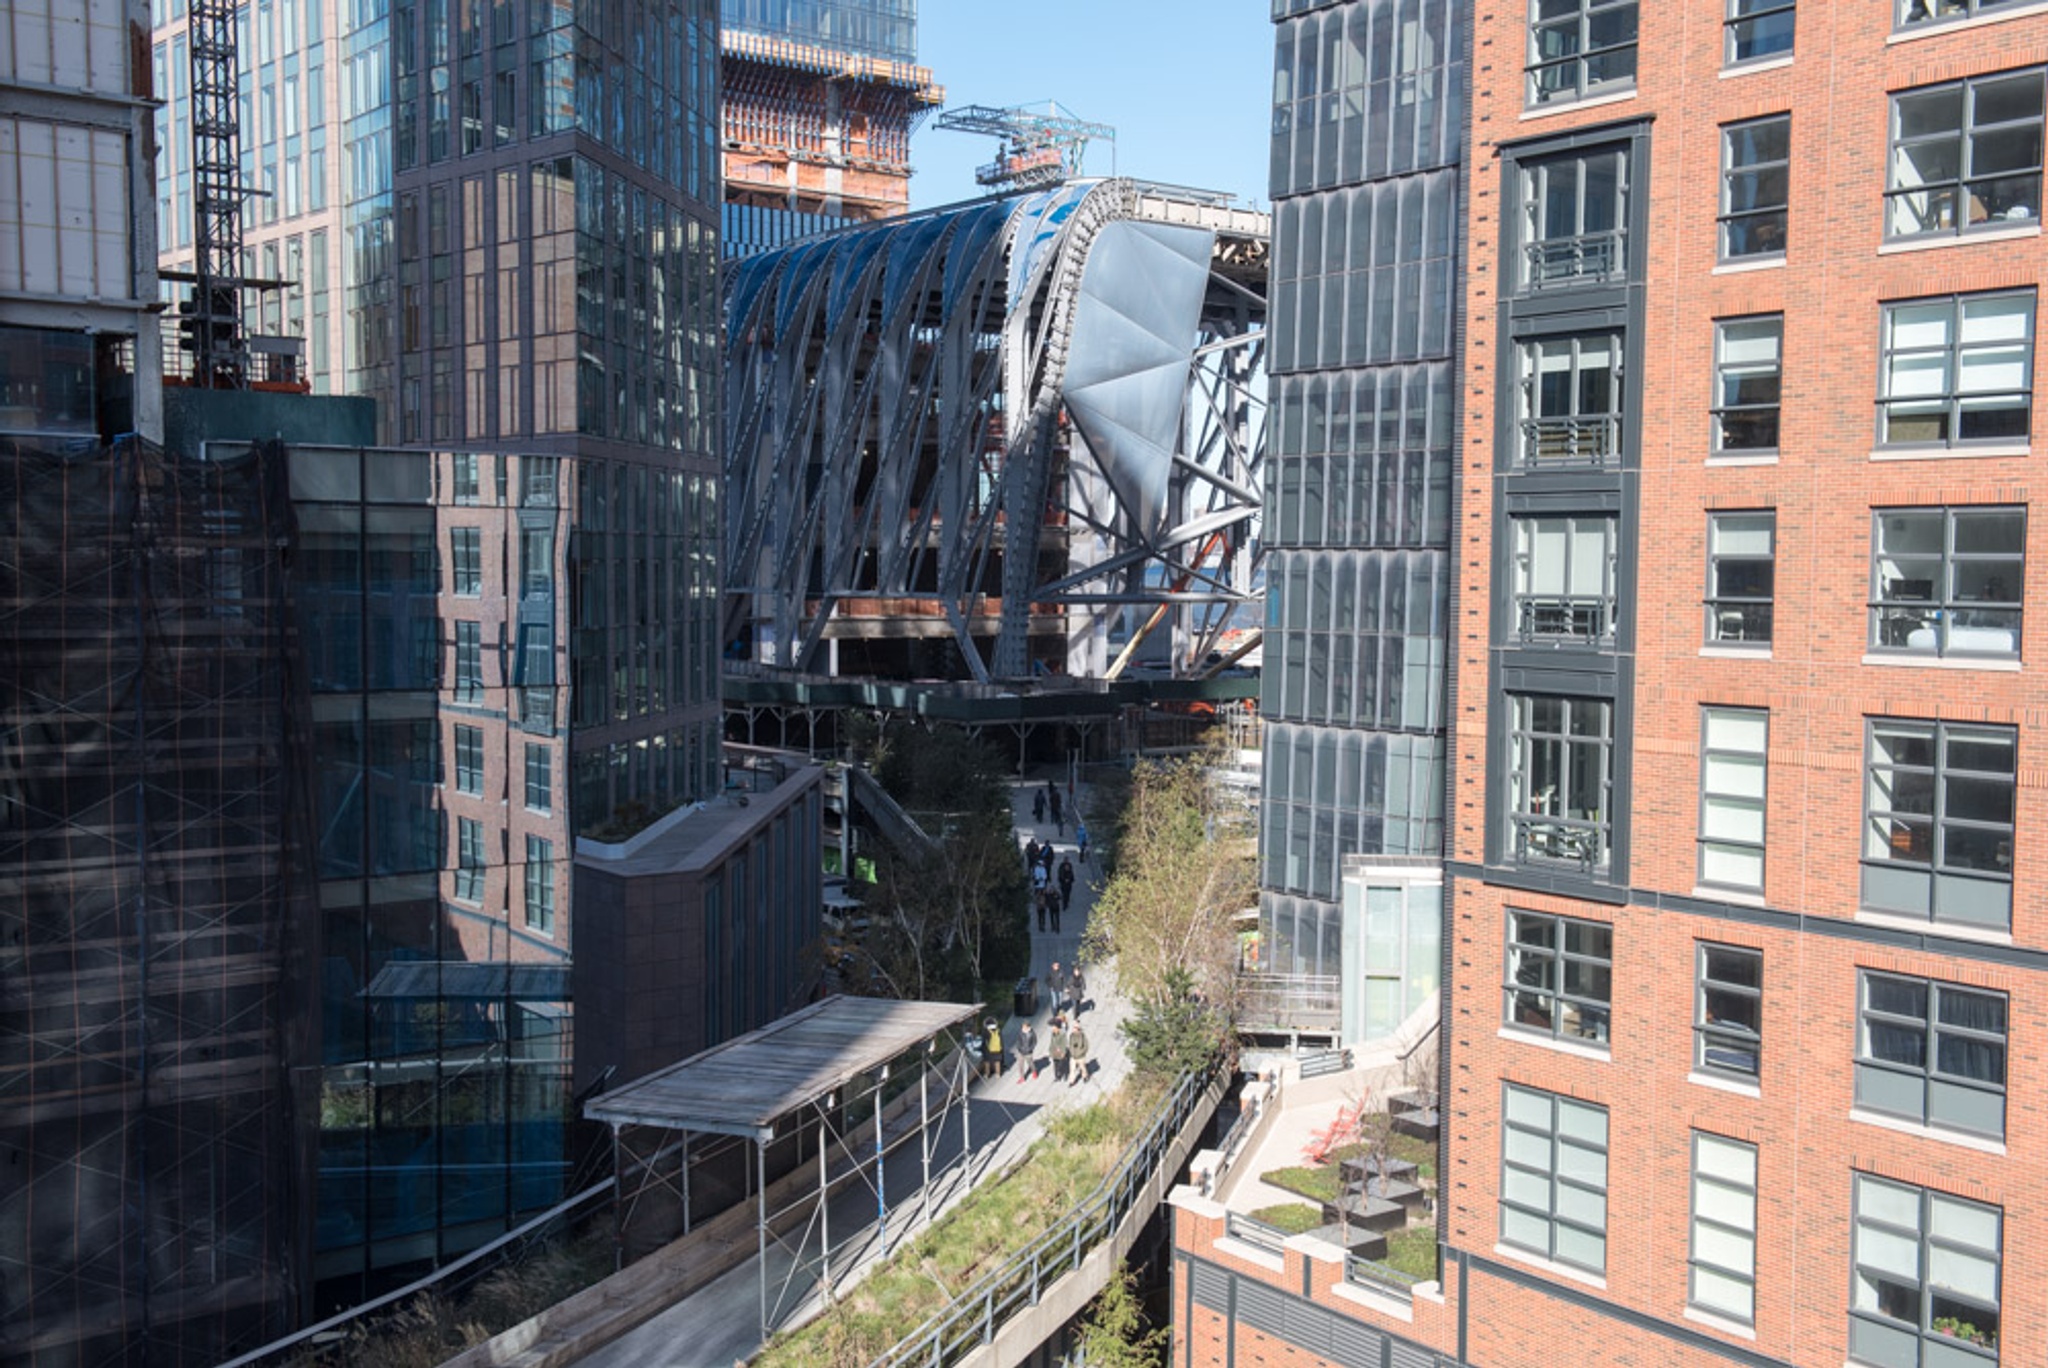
{"points": [[150, 871]]}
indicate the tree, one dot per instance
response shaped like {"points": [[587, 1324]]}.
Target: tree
{"points": [[1168, 906], [949, 919], [1113, 1332], [1173, 1031]]}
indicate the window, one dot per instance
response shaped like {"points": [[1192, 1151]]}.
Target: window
{"points": [[1560, 976], [536, 560], [1728, 1019], [465, 477], [1957, 370], [1575, 210], [1732, 770], [540, 777], [1758, 29], [1755, 175], [469, 760], [1965, 155], [1947, 581], [1748, 362], [469, 860], [540, 884], [1553, 1177], [1938, 821], [1931, 1052], [1580, 47], [1723, 1227], [465, 548], [1564, 578], [1571, 400], [469, 662], [1741, 577], [1560, 768], [1927, 1269], [1913, 12]]}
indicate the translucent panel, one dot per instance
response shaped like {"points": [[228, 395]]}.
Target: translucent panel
{"points": [[1893, 1203], [1525, 1188], [1530, 1109], [1728, 1206], [1718, 1292], [1955, 1221], [1972, 1275], [1732, 866], [1728, 1160], [1724, 1248], [1527, 1231], [1742, 534], [1888, 1251], [1919, 325], [2004, 318], [1733, 776], [1581, 1164], [1584, 1248], [1729, 729]]}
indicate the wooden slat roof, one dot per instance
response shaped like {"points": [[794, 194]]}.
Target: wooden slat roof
{"points": [[747, 1084]]}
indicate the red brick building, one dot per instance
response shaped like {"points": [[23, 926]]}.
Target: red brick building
{"points": [[1747, 770]]}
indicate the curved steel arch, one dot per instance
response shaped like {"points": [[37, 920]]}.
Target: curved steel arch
{"points": [[1006, 424]]}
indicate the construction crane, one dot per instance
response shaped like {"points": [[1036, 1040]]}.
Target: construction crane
{"points": [[1040, 145], [212, 319]]}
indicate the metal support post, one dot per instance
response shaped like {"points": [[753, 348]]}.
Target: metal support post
{"points": [[761, 1188], [881, 1175], [618, 1205], [924, 1127], [824, 1207]]}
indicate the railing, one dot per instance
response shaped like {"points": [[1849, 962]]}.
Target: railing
{"points": [[1573, 260], [1561, 839], [1255, 1233], [1571, 441], [976, 1313], [1288, 1002], [1564, 618], [1373, 1273], [1739, 621]]}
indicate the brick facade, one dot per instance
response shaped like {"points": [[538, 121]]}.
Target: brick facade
{"points": [[1824, 674]]}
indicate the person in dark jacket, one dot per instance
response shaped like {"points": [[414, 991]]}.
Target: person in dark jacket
{"points": [[1077, 1052], [1066, 884], [1076, 988], [1031, 854], [1056, 1046], [1027, 1052], [1038, 805]]}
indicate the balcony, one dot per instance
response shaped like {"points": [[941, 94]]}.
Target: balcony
{"points": [[1741, 624], [1572, 841], [1564, 619], [1556, 263], [1571, 443]]}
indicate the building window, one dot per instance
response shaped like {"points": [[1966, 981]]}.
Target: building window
{"points": [[1728, 1022], [540, 777], [465, 477], [1575, 210], [469, 860], [1965, 155], [1564, 578], [1732, 770], [1758, 29], [469, 662], [1571, 400], [1723, 1227], [1748, 368], [540, 884], [1580, 47], [1947, 581], [1755, 176], [1957, 369], [1560, 978], [1931, 1052], [469, 760], [1913, 12], [1560, 772], [1938, 821], [1553, 1177], [1927, 1270], [466, 557], [1741, 577]]}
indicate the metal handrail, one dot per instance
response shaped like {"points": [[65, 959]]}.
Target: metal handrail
{"points": [[1357, 1270], [1564, 617], [1586, 441], [972, 1319], [1254, 1232]]}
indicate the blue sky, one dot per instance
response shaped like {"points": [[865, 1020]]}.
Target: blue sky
{"points": [[1185, 83]]}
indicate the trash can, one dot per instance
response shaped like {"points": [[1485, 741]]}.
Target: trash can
{"points": [[1027, 997]]}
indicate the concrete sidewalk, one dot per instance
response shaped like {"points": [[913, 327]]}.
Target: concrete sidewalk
{"points": [[720, 1324]]}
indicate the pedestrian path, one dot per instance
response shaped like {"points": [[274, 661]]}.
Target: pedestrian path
{"points": [[719, 1325]]}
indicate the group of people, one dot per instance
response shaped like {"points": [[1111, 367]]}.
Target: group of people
{"points": [[1052, 892], [1066, 1044]]}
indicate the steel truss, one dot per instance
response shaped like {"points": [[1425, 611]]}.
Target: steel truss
{"points": [[903, 458]]}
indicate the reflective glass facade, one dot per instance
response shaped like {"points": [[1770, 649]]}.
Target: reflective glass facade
{"points": [[1368, 113], [873, 28]]}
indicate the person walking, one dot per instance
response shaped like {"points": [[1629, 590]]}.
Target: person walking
{"points": [[1045, 858], [1059, 816], [1077, 987], [1038, 805], [1027, 1051], [1055, 981], [1038, 881], [1031, 853], [1077, 1051], [1066, 880], [1056, 1046], [991, 1049], [1039, 903], [1080, 839]]}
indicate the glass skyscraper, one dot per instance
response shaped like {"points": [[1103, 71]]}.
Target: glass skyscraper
{"points": [[1368, 119]]}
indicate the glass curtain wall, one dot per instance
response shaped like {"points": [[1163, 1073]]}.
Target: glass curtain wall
{"points": [[1368, 115]]}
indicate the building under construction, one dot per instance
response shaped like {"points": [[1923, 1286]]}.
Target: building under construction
{"points": [[820, 97]]}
